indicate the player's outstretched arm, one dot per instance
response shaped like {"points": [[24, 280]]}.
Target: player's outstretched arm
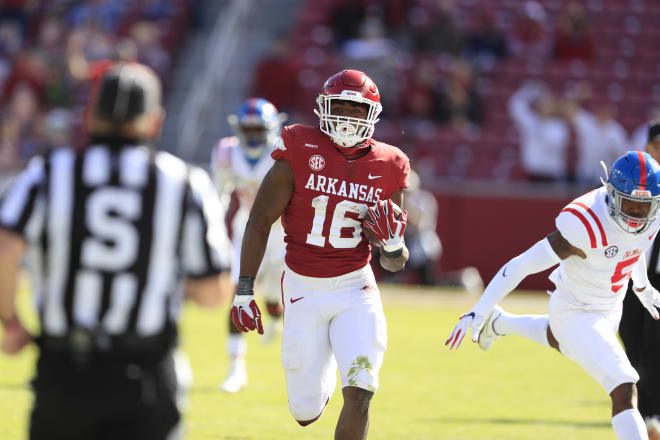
{"points": [[543, 255], [273, 197]]}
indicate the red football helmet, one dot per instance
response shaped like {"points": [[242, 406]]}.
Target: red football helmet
{"points": [[348, 85]]}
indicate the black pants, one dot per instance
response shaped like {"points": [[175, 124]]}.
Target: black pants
{"points": [[640, 334], [103, 400]]}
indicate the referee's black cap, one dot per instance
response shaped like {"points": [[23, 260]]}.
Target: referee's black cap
{"points": [[126, 92], [654, 131]]}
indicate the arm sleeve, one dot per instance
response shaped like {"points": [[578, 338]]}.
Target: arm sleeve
{"points": [[206, 248], [639, 275], [539, 257], [21, 207]]}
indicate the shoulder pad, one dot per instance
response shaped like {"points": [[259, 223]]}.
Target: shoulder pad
{"points": [[284, 144], [580, 227]]}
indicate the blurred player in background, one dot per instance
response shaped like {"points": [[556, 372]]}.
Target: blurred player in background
{"points": [[641, 334], [239, 164], [330, 184], [421, 237], [425, 246], [599, 244], [113, 233]]}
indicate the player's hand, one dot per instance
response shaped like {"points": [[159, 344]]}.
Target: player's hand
{"points": [[387, 222], [650, 299], [245, 313], [15, 337], [471, 320]]}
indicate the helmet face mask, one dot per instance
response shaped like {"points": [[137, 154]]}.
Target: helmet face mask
{"points": [[253, 139], [257, 124], [353, 86], [633, 191], [634, 224]]}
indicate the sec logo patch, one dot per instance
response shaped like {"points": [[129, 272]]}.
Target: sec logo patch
{"points": [[611, 251], [317, 162]]}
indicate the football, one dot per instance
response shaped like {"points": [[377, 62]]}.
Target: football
{"points": [[371, 237], [397, 211]]}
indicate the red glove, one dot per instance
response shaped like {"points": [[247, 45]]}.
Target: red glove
{"points": [[387, 222], [245, 313]]}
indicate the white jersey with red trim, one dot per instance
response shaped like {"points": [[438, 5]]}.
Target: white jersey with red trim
{"points": [[232, 171], [600, 281]]}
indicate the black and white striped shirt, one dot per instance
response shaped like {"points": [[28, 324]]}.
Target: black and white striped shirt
{"points": [[112, 231]]}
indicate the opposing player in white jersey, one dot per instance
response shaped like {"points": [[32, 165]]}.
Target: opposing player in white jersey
{"points": [[600, 242], [239, 164]]}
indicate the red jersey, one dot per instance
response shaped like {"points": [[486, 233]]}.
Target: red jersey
{"points": [[331, 195]]}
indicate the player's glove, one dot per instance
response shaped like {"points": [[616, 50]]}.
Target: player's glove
{"points": [[245, 313], [650, 299], [471, 320], [387, 222]]}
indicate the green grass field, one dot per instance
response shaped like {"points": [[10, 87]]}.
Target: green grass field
{"points": [[517, 390]]}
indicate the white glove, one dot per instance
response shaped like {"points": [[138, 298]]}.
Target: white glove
{"points": [[472, 320], [650, 299]]}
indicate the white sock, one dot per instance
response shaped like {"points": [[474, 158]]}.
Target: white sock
{"points": [[533, 327], [236, 346], [629, 425]]}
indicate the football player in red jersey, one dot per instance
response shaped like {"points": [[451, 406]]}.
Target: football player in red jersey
{"points": [[329, 184]]}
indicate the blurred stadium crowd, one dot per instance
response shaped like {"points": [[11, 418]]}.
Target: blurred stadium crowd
{"points": [[53, 51], [447, 70], [499, 89]]}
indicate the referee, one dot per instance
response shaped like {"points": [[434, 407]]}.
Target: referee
{"points": [[639, 332], [117, 237]]}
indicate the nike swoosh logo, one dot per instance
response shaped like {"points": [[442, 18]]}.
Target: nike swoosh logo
{"points": [[294, 300], [504, 271], [373, 177]]}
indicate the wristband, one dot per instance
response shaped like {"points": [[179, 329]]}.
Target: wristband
{"points": [[245, 286], [394, 254]]}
